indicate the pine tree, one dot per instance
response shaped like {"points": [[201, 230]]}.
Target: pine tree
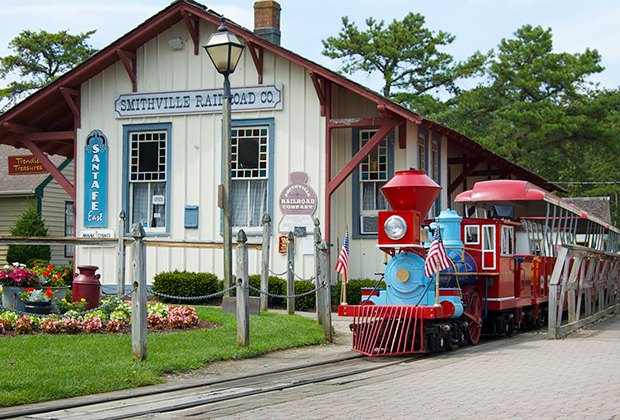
{"points": [[30, 223]]}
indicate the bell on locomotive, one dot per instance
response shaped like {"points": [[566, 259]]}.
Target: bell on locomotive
{"points": [[401, 235]]}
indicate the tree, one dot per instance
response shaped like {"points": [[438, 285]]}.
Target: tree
{"points": [[536, 107], [40, 57], [29, 223], [406, 54]]}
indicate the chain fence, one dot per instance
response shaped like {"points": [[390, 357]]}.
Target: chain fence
{"points": [[273, 295], [192, 298]]}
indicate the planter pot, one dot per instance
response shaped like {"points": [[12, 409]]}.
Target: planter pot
{"points": [[10, 297], [41, 308]]}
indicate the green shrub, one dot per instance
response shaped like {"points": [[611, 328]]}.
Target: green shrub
{"points": [[29, 223], [354, 290], [186, 284], [304, 303], [277, 286]]}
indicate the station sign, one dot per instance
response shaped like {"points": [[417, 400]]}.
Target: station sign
{"points": [[206, 101]]}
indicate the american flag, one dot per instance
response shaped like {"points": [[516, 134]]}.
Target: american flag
{"points": [[342, 265], [436, 256]]}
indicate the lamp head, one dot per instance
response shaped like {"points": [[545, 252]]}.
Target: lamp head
{"points": [[224, 49]]}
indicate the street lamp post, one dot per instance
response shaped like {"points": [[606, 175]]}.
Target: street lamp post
{"points": [[225, 50]]}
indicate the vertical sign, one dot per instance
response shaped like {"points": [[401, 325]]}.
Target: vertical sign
{"points": [[96, 180]]}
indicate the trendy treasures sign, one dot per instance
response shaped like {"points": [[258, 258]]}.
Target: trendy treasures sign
{"points": [[25, 165], [264, 97], [96, 180]]}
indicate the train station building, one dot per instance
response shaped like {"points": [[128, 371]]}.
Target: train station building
{"points": [[142, 121]]}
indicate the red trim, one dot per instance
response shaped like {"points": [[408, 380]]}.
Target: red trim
{"points": [[193, 27], [450, 292], [18, 128], [72, 97], [359, 122], [369, 292], [361, 155], [328, 163], [425, 312], [53, 170], [257, 59], [320, 91], [48, 136]]}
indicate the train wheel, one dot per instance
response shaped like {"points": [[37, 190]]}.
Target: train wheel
{"points": [[474, 309]]}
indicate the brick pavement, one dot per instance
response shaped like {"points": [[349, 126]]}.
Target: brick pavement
{"points": [[526, 376]]}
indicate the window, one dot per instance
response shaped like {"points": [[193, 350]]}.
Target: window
{"points": [[488, 247], [435, 161], [421, 150], [147, 162], [251, 172], [372, 173], [69, 228], [507, 240], [472, 235]]}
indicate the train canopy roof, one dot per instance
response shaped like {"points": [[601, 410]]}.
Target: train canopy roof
{"points": [[527, 200]]}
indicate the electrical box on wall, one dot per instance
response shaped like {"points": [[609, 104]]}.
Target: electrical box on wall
{"points": [[191, 217]]}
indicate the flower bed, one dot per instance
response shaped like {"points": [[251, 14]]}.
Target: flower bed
{"points": [[113, 317]]}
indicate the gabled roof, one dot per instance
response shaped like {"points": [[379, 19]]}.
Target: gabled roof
{"points": [[48, 110], [20, 184]]}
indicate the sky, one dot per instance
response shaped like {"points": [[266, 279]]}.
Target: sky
{"points": [[478, 25]]}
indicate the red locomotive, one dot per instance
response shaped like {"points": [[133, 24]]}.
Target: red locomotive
{"points": [[501, 256]]}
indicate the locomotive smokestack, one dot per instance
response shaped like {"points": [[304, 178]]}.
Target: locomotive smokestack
{"points": [[411, 190]]}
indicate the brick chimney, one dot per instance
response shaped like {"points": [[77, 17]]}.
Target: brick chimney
{"points": [[267, 20]]}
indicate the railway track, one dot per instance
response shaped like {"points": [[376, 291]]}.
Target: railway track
{"points": [[200, 396], [222, 397]]}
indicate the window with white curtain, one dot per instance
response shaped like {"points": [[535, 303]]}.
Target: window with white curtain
{"points": [[373, 174], [147, 162], [250, 167]]}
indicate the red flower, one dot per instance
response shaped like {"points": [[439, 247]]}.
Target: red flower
{"points": [[30, 289], [50, 267]]}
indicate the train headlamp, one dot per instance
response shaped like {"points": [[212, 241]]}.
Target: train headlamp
{"points": [[395, 227]]}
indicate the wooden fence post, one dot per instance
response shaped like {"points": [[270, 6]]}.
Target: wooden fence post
{"points": [[120, 269], [264, 275], [243, 291], [290, 274], [317, 271], [326, 300], [138, 295]]}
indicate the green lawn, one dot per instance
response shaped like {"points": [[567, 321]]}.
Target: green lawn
{"points": [[47, 367]]}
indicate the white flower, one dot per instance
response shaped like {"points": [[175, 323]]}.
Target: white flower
{"points": [[6, 267]]}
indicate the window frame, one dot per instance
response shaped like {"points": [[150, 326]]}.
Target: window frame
{"points": [[250, 122], [507, 231], [129, 129], [357, 212], [477, 230], [69, 249]]}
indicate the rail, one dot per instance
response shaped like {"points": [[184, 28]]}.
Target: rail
{"points": [[584, 287]]}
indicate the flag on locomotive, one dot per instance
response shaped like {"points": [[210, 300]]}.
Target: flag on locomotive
{"points": [[436, 258]]}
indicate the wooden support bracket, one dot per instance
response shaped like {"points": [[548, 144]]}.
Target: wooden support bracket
{"points": [[50, 167], [320, 85], [129, 62], [18, 128], [257, 52], [193, 26], [72, 97], [361, 155], [467, 170]]}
